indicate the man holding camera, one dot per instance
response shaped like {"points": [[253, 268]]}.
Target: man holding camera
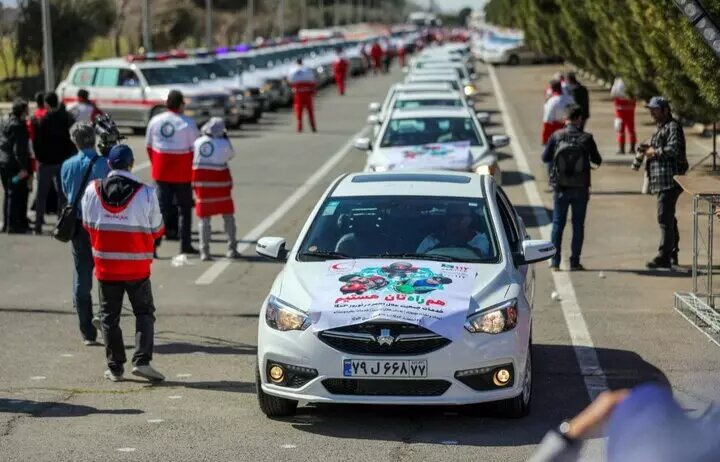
{"points": [[666, 157]]}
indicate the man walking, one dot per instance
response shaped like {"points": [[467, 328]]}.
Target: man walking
{"points": [[569, 152], [302, 81], [122, 217], [169, 140], [72, 173], [15, 168], [579, 93], [624, 115], [666, 157], [84, 110], [340, 69], [554, 111], [52, 146]]}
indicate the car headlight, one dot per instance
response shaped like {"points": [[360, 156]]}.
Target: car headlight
{"points": [[494, 320], [282, 316], [470, 90]]}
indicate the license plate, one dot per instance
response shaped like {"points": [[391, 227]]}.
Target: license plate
{"points": [[384, 368]]}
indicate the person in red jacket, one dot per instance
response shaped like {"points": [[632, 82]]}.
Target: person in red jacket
{"points": [[302, 81], [376, 53], [340, 69], [169, 140], [624, 115], [122, 217]]}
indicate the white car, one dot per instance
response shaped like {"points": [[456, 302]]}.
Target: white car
{"points": [[341, 323], [419, 87], [449, 79], [409, 128]]}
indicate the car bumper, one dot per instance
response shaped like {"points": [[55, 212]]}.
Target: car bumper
{"points": [[470, 351], [249, 107], [202, 114]]}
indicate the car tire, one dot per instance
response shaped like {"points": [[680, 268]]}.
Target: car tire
{"points": [[273, 406], [519, 406], [514, 60]]}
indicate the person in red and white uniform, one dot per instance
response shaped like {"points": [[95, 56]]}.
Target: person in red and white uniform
{"points": [[554, 111], [624, 115], [83, 110], [376, 54], [122, 217], [212, 184], [302, 81], [340, 70], [169, 140]]}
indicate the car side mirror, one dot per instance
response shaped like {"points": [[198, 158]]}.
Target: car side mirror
{"points": [[500, 141], [534, 251], [272, 247], [373, 119], [362, 144], [483, 117], [373, 108]]}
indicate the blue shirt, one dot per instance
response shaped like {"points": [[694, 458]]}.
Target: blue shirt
{"points": [[73, 169]]}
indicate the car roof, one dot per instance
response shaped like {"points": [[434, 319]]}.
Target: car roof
{"points": [[403, 96], [431, 78], [419, 113], [122, 62], [410, 183], [422, 86]]}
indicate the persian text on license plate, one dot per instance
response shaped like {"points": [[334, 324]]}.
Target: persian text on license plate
{"points": [[384, 367]]}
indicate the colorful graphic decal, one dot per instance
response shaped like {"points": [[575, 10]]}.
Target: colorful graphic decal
{"points": [[453, 156]]}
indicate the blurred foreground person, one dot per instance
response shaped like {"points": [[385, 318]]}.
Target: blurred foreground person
{"points": [[642, 425], [302, 81], [84, 110], [122, 216]]}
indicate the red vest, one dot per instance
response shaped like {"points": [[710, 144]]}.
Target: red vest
{"points": [[123, 237], [169, 140], [211, 179]]}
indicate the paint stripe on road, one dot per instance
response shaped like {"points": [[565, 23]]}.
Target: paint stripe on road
{"points": [[212, 273], [141, 166], [594, 376], [585, 353]]}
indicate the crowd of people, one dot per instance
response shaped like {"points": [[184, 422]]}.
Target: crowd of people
{"points": [[569, 153]]}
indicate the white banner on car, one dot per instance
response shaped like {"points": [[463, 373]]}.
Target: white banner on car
{"points": [[434, 295], [437, 156]]}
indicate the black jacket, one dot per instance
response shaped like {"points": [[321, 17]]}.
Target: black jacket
{"points": [[587, 141], [581, 97], [14, 144], [52, 143], [117, 190]]}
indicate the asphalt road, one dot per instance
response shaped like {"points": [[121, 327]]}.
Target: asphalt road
{"points": [[55, 404]]}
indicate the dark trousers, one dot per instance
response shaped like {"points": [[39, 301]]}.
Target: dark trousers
{"points": [[15, 200], [82, 282], [177, 197], [48, 175], [141, 299], [669, 234], [563, 200]]}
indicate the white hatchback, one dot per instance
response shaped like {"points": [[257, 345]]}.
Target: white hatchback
{"points": [[403, 288]]}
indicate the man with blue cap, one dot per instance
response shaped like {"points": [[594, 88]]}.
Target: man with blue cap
{"points": [[122, 217]]}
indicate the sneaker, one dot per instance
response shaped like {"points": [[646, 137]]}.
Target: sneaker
{"points": [[91, 343], [148, 372], [232, 253], [96, 323], [113, 377], [190, 250], [658, 263], [204, 256], [577, 267], [620, 152]]}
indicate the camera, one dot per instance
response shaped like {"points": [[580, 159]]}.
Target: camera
{"points": [[107, 132], [639, 156]]}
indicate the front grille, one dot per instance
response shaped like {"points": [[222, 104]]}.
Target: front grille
{"points": [[407, 339], [212, 101], [386, 387]]}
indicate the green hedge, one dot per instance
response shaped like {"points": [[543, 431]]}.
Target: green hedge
{"points": [[649, 43]]}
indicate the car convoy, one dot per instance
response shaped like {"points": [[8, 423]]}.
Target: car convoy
{"points": [[411, 282]]}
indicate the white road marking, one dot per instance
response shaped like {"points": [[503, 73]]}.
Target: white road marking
{"points": [[38, 377], [175, 397], [288, 446], [585, 354], [141, 166], [155, 420], [126, 449], [67, 355], [449, 442], [183, 376], [212, 273]]}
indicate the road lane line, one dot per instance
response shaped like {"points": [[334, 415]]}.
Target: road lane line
{"points": [[212, 273], [585, 354], [141, 166]]}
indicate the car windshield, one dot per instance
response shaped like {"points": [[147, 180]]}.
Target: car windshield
{"points": [[427, 130], [419, 102], [166, 76], [430, 228]]}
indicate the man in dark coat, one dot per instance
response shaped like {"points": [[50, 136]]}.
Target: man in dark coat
{"points": [[15, 168], [579, 92]]}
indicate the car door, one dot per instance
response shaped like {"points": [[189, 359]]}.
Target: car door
{"points": [[523, 274], [130, 96], [104, 91]]}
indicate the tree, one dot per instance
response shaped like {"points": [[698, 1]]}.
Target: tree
{"points": [[75, 23]]}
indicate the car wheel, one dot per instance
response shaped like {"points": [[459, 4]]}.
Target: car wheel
{"points": [[273, 406], [514, 60], [515, 408]]}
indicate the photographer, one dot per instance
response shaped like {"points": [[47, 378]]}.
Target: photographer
{"points": [[666, 157]]}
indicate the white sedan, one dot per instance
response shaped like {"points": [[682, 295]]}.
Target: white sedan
{"points": [[403, 288], [448, 126]]}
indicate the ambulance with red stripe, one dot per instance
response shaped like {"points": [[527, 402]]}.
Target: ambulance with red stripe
{"points": [[134, 89]]}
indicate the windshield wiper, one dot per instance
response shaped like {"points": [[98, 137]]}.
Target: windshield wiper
{"points": [[325, 254], [418, 256]]}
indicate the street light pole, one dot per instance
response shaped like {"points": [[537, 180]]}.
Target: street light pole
{"points": [[321, 7], [336, 13], [303, 14], [249, 30], [147, 16], [208, 24], [281, 18], [48, 63]]}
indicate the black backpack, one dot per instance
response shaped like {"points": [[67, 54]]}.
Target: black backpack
{"points": [[571, 164]]}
